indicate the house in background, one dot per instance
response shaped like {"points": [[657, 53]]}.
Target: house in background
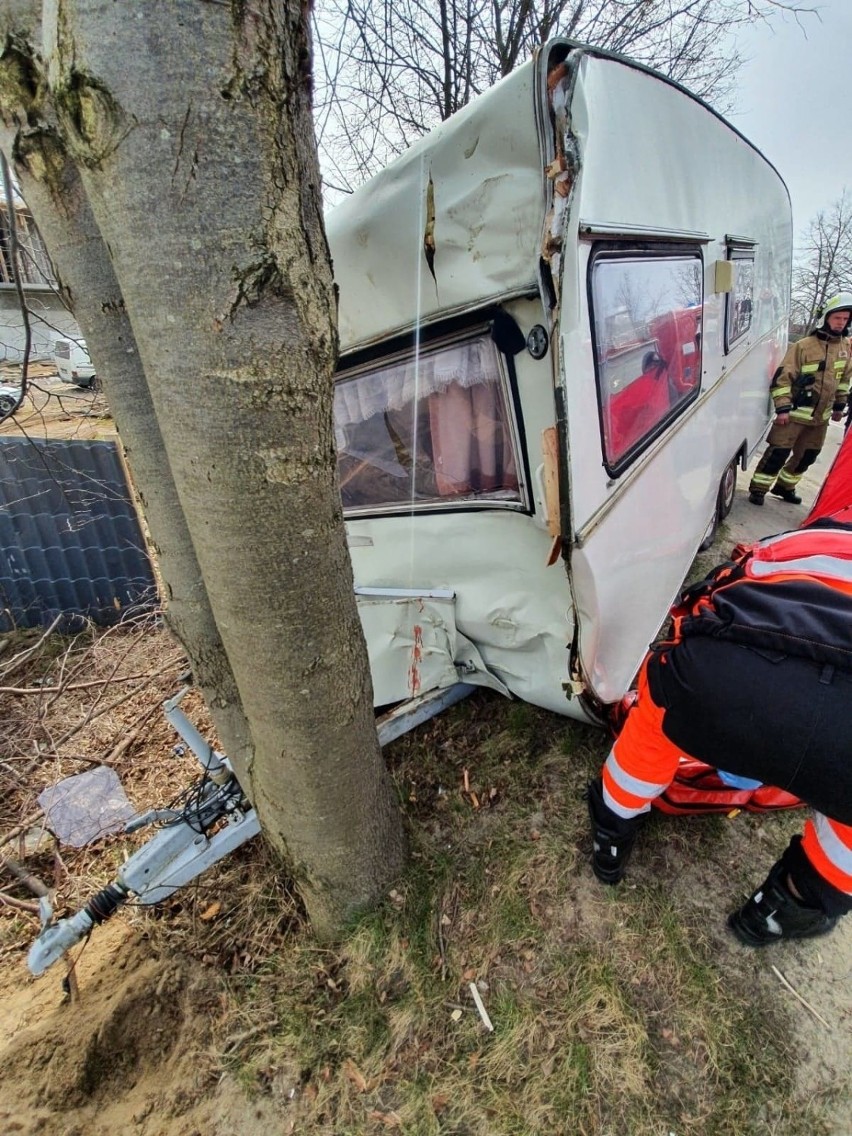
{"points": [[49, 318]]}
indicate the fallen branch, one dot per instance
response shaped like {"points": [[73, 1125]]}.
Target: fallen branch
{"points": [[93, 713], [19, 904], [19, 660], [121, 748], [796, 994], [22, 827], [73, 685], [31, 882]]}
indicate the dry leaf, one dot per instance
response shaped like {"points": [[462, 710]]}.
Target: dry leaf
{"points": [[456, 1015], [210, 912], [389, 1119], [355, 1075]]}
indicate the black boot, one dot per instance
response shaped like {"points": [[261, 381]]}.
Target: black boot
{"points": [[612, 836], [774, 913], [788, 495], [755, 497]]}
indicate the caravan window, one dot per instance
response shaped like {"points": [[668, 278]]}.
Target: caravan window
{"points": [[739, 301], [428, 428], [646, 312]]}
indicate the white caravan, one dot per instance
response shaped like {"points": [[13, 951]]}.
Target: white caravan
{"points": [[559, 316]]}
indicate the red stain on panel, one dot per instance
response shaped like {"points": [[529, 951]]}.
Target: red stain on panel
{"points": [[416, 656]]}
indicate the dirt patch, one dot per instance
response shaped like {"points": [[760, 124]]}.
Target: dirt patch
{"points": [[131, 1051], [53, 409]]}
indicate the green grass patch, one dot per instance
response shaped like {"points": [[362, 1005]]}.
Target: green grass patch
{"points": [[616, 1012]]}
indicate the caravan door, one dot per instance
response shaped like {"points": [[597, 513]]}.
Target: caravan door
{"points": [[642, 486]]}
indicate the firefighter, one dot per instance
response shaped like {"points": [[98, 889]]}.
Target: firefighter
{"points": [[756, 677], [810, 386]]}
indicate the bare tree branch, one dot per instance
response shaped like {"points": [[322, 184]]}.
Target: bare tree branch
{"points": [[387, 73]]}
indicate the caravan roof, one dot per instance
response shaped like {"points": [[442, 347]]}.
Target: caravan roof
{"points": [[475, 190]]}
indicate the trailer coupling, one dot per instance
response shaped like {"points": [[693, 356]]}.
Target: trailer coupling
{"points": [[215, 819]]}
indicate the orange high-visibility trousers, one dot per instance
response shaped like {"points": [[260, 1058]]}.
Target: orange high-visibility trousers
{"points": [[642, 764]]}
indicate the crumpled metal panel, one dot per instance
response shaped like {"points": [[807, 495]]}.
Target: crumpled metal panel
{"points": [[70, 539], [413, 644], [465, 206]]}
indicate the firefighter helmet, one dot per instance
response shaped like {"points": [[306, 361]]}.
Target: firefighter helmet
{"points": [[842, 302]]}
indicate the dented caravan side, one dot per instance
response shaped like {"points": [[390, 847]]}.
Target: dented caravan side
{"points": [[559, 314]]}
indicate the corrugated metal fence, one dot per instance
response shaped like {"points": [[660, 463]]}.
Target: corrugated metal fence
{"points": [[70, 540]]}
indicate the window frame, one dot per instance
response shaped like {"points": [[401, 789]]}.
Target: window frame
{"points": [[613, 251], [433, 340], [738, 249]]}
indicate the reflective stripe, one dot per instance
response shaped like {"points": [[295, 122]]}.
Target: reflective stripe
{"points": [[796, 536], [622, 810], [789, 480], [831, 566], [809, 368], [776, 391], [802, 415], [833, 846], [630, 784], [763, 479]]}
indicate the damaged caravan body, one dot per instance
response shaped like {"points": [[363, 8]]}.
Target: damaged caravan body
{"points": [[559, 316]]}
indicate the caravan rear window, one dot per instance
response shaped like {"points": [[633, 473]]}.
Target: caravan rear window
{"points": [[429, 428], [646, 311], [740, 301]]}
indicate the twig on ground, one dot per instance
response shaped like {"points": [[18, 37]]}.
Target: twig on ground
{"points": [[73, 685], [18, 660], [96, 713], [31, 882], [22, 827], [480, 1006], [18, 904], [121, 748], [796, 994]]}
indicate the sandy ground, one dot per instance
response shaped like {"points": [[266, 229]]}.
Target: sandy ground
{"points": [[137, 1048], [53, 409]]}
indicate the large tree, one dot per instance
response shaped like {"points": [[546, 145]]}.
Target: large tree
{"points": [[389, 72], [166, 149], [823, 262]]}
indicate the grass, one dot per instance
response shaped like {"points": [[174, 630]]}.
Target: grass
{"points": [[615, 1013]]}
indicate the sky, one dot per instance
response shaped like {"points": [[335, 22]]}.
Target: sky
{"points": [[794, 102]]}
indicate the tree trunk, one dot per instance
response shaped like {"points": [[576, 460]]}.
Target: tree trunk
{"points": [[55, 196], [190, 125]]}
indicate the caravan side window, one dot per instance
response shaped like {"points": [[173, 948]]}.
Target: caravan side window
{"points": [[739, 302], [428, 428], [647, 315]]}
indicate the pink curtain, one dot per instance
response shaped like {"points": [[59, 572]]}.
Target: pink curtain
{"points": [[471, 449]]}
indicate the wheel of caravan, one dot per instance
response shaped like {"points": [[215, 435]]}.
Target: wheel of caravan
{"points": [[710, 534], [727, 488]]}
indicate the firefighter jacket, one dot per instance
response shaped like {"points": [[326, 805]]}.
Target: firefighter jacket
{"points": [[813, 380], [790, 594]]}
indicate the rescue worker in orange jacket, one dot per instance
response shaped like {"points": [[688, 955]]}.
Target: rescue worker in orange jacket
{"points": [[774, 619], [810, 387]]}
